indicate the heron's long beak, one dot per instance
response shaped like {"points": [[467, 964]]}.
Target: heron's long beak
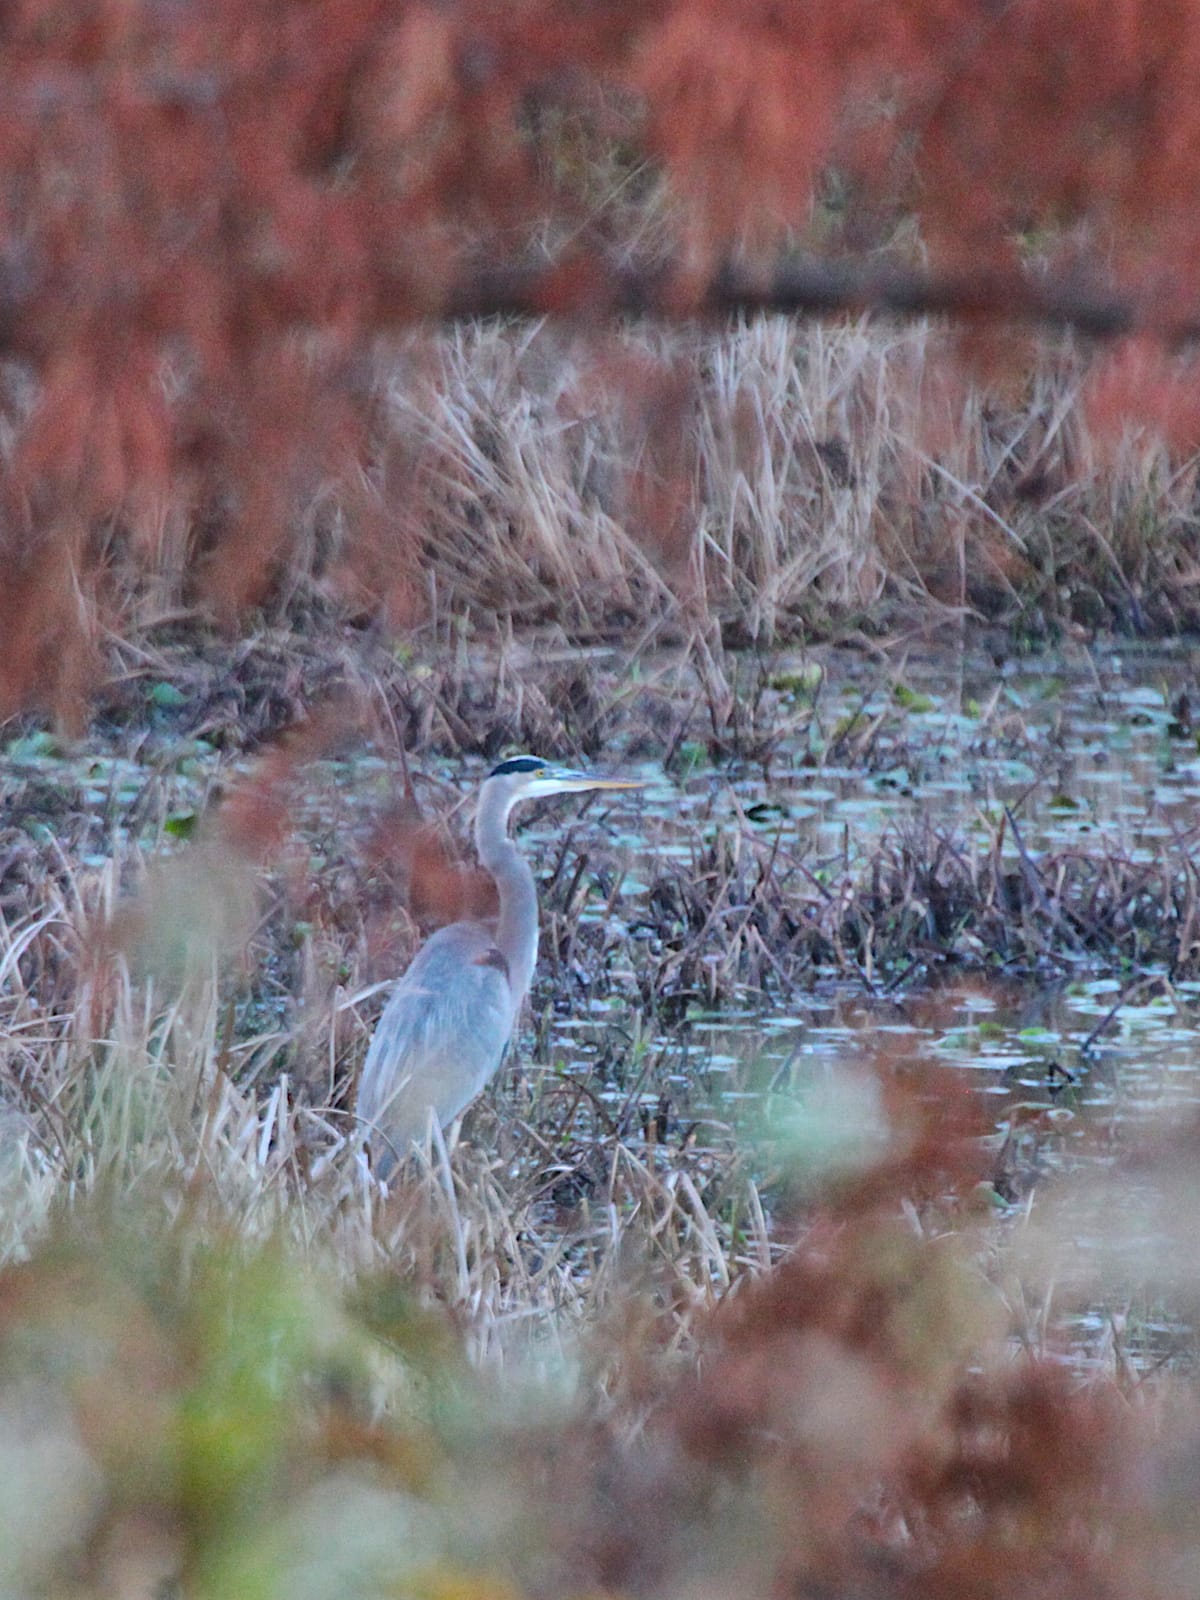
{"points": [[578, 781]]}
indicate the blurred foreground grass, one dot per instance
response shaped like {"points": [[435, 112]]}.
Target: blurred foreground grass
{"points": [[178, 1407], [192, 1405], [579, 1355]]}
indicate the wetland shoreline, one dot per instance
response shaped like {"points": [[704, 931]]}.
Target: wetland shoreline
{"points": [[837, 1027]]}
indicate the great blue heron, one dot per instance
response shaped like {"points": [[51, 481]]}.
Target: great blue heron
{"points": [[444, 1030]]}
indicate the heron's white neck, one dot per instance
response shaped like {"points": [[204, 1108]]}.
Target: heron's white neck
{"points": [[517, 932]]}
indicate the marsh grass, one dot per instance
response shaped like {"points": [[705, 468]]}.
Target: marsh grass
{"points": [[584, 1345], [771, 480], [588, 1343], [142, 1084], [235, 1366], [763, 483]]}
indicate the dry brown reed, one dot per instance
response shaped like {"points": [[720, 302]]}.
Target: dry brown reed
{"points": [[762, 484], [770, 481]]}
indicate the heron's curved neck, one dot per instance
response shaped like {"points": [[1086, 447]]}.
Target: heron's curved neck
{"points": [[517, 933]]}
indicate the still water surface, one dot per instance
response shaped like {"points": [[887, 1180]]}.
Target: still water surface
{"points": [[1093, 753], [1094, 750]]}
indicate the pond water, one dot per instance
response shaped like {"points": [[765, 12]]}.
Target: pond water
{"points": [[826, 759], [1089, 750], [1095, 755], [1068, 1070]]}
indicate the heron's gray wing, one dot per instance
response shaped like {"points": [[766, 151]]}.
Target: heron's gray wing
{"points": [[439, 1040]]}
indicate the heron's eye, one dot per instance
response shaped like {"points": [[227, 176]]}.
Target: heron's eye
{"points": [[518, 764]]}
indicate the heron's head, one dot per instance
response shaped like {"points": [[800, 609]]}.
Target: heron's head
{"points": [[529, 778]]}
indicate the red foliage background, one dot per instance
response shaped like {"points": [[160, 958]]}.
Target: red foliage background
{"points": [[210, 215]]}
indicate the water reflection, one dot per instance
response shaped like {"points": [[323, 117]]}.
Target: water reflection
{"points": [[1072, 1081], [1079, 1052], [1097, 753], [1089, 751]]}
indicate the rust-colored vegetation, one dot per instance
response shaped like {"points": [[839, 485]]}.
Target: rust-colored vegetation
{"points": [[216, 224], [323, 319]]}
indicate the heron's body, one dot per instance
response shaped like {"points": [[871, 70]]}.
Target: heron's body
{"points": [[449, 1021], [444, 1031]]}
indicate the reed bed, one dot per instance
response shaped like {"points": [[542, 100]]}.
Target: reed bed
{"points": [[764, 483], [587, 1345]]}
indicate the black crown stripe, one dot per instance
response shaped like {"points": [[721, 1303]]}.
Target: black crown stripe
{"points": [[518, 764]]}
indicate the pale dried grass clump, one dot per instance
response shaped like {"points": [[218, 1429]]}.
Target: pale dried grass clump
{"points": [[775, 478], [684, 476], [771, 481]]}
